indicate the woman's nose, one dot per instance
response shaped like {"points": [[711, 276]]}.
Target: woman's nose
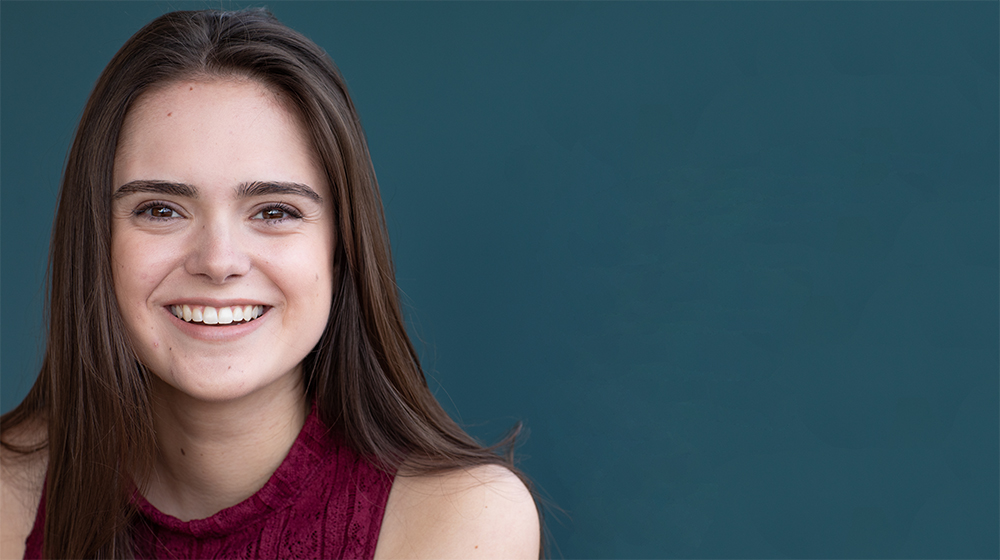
{"points": [[217, 253]]}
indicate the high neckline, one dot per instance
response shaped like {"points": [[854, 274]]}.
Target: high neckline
{"points": [[281, 489]]}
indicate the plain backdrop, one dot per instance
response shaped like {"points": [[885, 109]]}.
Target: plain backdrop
{"points": [[735, 265]]}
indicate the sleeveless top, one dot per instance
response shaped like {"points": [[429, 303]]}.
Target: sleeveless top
{"points": [[323, 501]]}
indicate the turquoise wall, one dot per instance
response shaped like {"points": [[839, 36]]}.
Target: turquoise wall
{"points": [[735, 265]]}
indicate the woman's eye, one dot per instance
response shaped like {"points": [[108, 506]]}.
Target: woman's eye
{"points": [[271, 214], [157, 211], [276, 214], [161, 212]]}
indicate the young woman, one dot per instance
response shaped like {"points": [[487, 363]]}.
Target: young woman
{"points": [[227, 372]]}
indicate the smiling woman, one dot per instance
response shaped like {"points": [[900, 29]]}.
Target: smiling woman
{"points": [[227, 372], [201, 210]]}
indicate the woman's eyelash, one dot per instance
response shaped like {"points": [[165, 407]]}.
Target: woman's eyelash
{"points": [[276, 212], [150, 207], [289, 212]]}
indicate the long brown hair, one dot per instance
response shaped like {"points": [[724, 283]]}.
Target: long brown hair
{"points": [[364, 375]]}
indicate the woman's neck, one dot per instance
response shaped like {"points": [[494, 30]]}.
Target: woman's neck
{"points": [[213, 455]]}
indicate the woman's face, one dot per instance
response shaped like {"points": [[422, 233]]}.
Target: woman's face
{"points": [[221, 213]]}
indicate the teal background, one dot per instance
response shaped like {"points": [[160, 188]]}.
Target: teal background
{"points": [[735, 265]]}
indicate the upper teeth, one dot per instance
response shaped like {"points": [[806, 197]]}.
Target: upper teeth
{"points": [[216, 315]]}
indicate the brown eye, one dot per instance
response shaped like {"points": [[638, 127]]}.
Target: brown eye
{"points": [[272, 214], [156, 211], [277, 213], [161, 212]]}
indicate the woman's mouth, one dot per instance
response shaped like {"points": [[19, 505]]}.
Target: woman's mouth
{"points": [[209, 315]]}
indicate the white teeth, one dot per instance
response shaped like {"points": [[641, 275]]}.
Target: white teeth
{"points": [[217, 315], [210, 316]]}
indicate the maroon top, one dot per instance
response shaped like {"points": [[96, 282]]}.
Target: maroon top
{"points": [[324, 501]]}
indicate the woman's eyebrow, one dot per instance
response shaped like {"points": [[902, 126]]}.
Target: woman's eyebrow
{"points": [[158, 187], [259, 188], [245, 190]]}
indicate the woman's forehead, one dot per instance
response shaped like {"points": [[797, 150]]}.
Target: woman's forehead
{"points": [[191, 92], [206, 131]]}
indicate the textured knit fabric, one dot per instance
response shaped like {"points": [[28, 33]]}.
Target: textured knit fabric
{"points": [[324, 501]]}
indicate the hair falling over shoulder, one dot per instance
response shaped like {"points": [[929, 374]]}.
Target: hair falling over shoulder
{"points": [[92, 392]]}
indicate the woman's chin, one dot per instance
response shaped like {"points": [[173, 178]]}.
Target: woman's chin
{"points": [[224, 384]]}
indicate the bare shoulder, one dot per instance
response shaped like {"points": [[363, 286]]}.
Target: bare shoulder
{"points": [[478, 512], [21, 479]]}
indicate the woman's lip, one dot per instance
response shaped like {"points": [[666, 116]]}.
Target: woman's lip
{"points": [[216, 333], [222, 315], [215, 302]]}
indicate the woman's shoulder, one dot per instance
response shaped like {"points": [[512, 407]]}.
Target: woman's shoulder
{"points": [[484, 512], [22, 476]]}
